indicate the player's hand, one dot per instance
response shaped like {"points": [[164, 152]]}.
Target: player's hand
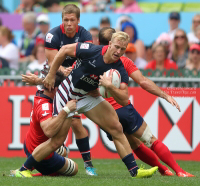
{"points": [[171, 100], [67, 71], [30, 79], [105, 81], [49, 82], [71, 105], [94, 93]]}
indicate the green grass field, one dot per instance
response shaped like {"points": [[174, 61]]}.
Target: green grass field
{"points": [[110, 172]]}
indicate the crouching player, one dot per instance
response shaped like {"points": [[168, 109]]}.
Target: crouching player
{"points": [[44, 126]]}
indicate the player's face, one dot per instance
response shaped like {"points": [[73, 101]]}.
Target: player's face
{"points": [[70, 22], [117, 49]]}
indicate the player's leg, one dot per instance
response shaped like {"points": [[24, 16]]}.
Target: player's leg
{"points": [[131, 121], [105, 116], [147, 155], [70, 168], [82, 142], [145, 135], [46, 148]]}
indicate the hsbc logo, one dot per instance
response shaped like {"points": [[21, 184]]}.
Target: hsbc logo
{"points": [[89, 80], [93, 77], [178, 130]]}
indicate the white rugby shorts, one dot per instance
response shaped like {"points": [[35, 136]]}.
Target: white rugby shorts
{"points": [[85, 104]]}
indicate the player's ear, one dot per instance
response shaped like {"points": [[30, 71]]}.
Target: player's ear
{"points": [[78, 20], [109, 43]]}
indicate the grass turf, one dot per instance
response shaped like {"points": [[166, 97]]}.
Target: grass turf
{"points": [[110, 172]]}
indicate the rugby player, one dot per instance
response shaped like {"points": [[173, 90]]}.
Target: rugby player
{"points": [[83, 79], [67, 33], [44, 126], [134, 125]]}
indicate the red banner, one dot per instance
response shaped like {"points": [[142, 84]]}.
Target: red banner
{"points": [[178, 130]]}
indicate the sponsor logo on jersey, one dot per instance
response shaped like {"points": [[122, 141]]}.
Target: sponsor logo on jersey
{"points": [[45, 114], [76, 39], [92, 63], [45, 106], [89, 80], [84, 46], [92, 76], [49, 37]]}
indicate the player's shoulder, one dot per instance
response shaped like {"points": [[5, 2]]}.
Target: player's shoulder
{"points": [[126, 60], [81, 29]]}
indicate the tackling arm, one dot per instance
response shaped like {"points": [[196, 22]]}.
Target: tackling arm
{"points": [[152, 88]]}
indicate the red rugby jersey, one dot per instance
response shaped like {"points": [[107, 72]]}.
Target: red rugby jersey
{"points": [[42, 110], [130, 68]]}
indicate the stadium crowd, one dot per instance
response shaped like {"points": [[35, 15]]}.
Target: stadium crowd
{"points": [[173, 49]]}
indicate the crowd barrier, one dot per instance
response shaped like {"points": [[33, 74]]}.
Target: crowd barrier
{"points": [[178, 130]]}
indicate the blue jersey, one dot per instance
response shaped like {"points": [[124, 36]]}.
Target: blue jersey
{"points": [[56, 38], [85, 77]]}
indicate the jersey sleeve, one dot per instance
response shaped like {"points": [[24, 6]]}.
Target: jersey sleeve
{"points": [[124, 75], [52, 41], [83, 50], [44, 111], [129, 65]]}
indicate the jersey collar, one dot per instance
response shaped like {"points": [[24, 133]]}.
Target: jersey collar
{"points": [[63, 28], [39, 93]]}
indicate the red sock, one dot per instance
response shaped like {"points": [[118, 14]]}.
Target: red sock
{"points": [[165, 155], [37, 174], [148, 156]]}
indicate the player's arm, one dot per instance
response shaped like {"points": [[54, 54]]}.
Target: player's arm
{"points": [[50, 54], [119, 94], [32, 79], [152, 88], [66, 50], [52, 125]]}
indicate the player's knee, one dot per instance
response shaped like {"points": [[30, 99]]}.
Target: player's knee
{"points": [[77, 126], [71, 168], [116, 130], [56, 143], [147, 137]]}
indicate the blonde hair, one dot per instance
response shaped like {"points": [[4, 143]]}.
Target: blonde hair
{"points": [[196, 16], [71, 9], [6, 32], [175, 47], [120, 36]]}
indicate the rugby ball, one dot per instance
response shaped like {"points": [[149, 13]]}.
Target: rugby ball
{"points": [[116, 80]]}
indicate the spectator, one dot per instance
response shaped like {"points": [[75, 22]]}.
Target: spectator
{"points": [[94, 31], [195, 23], [180, 48], [193, 62], [166, 41], [174, 21], [27, 6], [8, 51], [97, 6], [129, 6], [53, 5], [197, 34], [28, 38], [121, 20], [161, 61], [131, 53], [130, 29], [43, 22], [105, 22], [40, 58], [149, 53]]}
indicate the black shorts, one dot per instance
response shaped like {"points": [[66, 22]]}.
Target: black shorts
{"points": [[129, 118], [49, 166]]}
